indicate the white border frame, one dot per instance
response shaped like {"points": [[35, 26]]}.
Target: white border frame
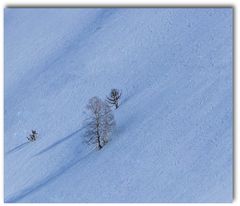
{"points": [[132, 3]]}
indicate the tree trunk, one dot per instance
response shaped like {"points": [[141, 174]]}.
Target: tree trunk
{"points": [[98, 141]]}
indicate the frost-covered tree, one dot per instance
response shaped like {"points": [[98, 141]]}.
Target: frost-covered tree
{"points": [[108, 123], [114, 97], [99, 122], [33, 136]]}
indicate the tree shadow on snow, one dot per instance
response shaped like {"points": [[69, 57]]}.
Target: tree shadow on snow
{"points": [[38, 185], [59, 141], [17, 148], [54, 175]]}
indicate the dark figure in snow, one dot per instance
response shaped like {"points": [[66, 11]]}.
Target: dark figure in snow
{"points": [[114, 98], [33, 136]]}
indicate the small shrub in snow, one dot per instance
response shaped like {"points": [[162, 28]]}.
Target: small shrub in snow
{"points": [[114, 97], [33, 136], [99, 122]]}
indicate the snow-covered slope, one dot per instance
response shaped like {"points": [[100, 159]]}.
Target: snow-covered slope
{"points": [[173, 139]]}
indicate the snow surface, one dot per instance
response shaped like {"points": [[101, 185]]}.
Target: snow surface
{"points": [[173, 139]]}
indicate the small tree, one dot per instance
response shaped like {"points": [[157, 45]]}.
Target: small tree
{"points": [[99, 122], [33, 136], [114, 97]]}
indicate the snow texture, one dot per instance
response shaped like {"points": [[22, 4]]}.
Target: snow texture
{"points": [[174, 127]]}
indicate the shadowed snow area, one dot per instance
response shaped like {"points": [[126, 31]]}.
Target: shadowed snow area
{"points": [[173, 135]]}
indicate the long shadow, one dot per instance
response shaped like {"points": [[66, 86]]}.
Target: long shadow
{"points": [[20, 195], [59, 142], [17, 148]]}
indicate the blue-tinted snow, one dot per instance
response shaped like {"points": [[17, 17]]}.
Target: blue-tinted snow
{"points": [[173, 140]]}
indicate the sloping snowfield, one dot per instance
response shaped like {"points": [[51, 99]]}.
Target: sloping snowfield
{"points": [[173, 138]]}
